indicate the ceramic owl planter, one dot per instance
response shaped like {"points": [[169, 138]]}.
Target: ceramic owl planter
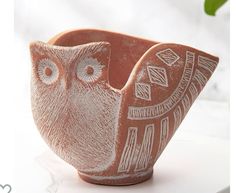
{"points": [[109, 103]]}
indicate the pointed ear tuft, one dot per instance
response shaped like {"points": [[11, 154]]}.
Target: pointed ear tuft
{"points": [[99, 50], [37, 49]]}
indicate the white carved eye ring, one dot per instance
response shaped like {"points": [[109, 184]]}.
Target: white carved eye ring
{"points": [[48, 71], [89, 70]]}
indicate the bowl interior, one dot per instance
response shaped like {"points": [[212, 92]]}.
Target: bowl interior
{"points": [[125, 50]]}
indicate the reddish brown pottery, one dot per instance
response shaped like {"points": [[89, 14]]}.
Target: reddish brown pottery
{"points": [[108, 103]]}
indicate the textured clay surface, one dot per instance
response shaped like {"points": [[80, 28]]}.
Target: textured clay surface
{"points": [[109, 103]]}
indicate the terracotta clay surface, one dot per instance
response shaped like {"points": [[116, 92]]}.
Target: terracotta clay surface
{"points": [[109, 103]]}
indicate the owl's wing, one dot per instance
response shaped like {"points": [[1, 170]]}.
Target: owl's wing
{"points": [[168, 78]]}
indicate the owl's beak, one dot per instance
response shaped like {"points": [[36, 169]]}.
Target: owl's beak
{"points": [[66, 82]]}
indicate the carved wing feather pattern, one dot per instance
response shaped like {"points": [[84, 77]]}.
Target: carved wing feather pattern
{"points": [[164, 84]]}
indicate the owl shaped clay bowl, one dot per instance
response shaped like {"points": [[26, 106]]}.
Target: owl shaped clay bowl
{"points": [[108, 103]]}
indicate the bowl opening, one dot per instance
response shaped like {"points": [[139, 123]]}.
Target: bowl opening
{"points": [[125, 50]]}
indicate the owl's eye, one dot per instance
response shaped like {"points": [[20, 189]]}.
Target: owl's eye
{"points": [[89, 70], [48, 71]]}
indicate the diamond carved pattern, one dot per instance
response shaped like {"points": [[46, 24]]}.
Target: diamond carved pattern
{"points": [[157, 75], [143, 91], [167, 56]]}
